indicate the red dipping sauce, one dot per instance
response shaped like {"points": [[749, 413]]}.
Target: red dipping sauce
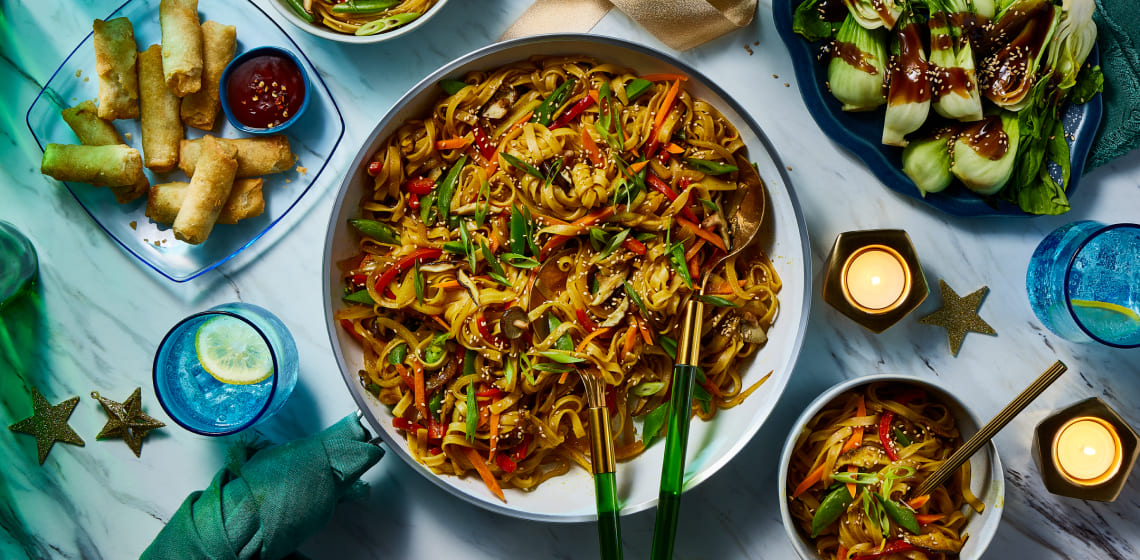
{"points": [[265, 91]]}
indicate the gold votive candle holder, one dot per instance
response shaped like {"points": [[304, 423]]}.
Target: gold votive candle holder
{"points": [[874, 277], [1085, 451]]}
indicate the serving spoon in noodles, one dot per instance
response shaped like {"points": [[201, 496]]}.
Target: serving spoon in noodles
{"points": [[548, 281], [744, 213]]}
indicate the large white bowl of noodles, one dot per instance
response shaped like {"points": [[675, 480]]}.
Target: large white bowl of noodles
{"points": [[326, 32], [987, 480], [570, 498]]}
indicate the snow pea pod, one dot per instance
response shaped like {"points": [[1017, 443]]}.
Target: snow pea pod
{"points": [[359, 7], [386, 24], [832, 506]]}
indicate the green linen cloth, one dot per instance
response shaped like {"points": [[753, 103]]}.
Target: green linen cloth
{"points": [[1118, 33], [266, 502]]}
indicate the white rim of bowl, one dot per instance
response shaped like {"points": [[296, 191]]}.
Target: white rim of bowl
{"points": [[988, 529], [448, 70], [326, 33]]}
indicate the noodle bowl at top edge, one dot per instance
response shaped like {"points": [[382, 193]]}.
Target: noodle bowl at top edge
{"points": [[324, 32], [567, 498]]}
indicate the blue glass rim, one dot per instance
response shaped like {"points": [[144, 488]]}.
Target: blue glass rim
{"points": [[251, 53], [272, 388], [1069, 270]]}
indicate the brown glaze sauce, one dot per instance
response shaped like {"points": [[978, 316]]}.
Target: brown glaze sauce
{"points": [[884, 13], [909, 81], [949, 80], [853, 55], [1019, 37], [986, 137]]}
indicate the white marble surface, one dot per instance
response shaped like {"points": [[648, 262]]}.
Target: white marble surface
{"points": [[103, 316]]}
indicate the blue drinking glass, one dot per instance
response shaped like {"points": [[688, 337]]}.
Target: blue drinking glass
{"points": [[225, 369], [1084, 283], [18, 263]]}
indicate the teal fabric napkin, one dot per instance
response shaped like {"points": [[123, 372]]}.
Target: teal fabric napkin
{"points": [[266, 502], [1118, 34]]}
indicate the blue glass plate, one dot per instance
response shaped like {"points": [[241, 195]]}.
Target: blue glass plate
{"points": [[860, 132], [313, 139]]}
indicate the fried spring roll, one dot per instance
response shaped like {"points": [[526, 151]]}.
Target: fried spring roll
{"points": [[208, 192], [94, 131], [245, 201], [161, 128], [199, 109], [118, 165], [255, 156], [115, 64], [181, 45]]}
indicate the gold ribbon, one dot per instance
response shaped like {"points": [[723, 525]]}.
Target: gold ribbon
{"points": [[681, 24]]}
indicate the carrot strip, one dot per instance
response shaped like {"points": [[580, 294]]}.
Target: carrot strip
{"points": [[494, 428], [812, 478], [630, 339], [855, 441], [582, 223], [646, 335], [662, 77], [841, 554], [484, 472], [421, 403], [666, 106], [692, 252], [441, 322], [453, 143], [562, 378], [694, 268], [493, 165], [918, 502], [586, 340], [409, 381], [592, 150], [928, 518], [637, 166], [702, 233], [448, 284], [674, 149]]}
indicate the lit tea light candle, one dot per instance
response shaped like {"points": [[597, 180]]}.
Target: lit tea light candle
{"points": [[1087, 450], [875, 278]]}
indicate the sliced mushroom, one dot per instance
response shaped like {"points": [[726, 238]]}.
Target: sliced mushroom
{"points": [[934, 541], [498, 106]]}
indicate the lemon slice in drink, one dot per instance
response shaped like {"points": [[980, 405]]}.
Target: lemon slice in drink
{"points": [[1107, 320], [232, 351]]}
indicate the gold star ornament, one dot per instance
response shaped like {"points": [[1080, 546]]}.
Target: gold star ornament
{"points": [[49, 424], [126, 420], [959, 315]]}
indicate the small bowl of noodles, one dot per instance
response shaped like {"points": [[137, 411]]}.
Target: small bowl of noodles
{"points": [[358, 21], [849, 470]]}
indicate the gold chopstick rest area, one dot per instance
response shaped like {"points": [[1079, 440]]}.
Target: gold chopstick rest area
{"points": [[1085, 451], [874, 277]]}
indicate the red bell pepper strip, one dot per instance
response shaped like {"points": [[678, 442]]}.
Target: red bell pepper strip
{"points": [[505, 463], [492, 393], [520, 451], [573, 112], [419, 185], [585, 320], [664, 188], [483, 142], [892, 547], [375, 168], [405, 424], [419, 255], [351, 329], [436, 430], [634, 246], [885, 435]]}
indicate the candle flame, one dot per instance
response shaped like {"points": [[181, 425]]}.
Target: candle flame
{"points": [[875, 280], [1090, 451]]}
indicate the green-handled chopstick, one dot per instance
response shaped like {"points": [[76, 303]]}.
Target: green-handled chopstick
{"points": [[677, 437], [605, 485]]}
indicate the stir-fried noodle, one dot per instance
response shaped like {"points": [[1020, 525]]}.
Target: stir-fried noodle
{"points": [[549, 160]]}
